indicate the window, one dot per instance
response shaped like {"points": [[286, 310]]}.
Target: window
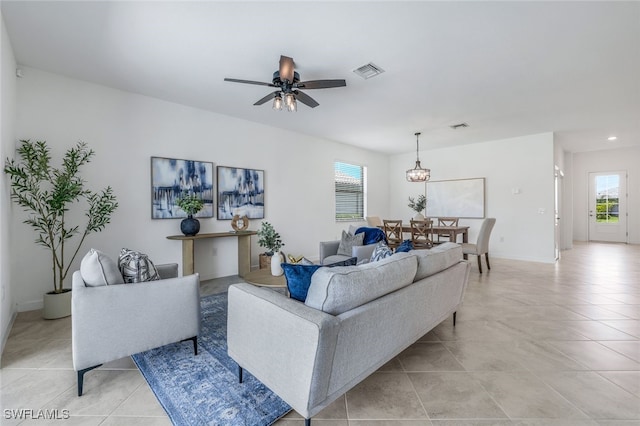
{"points": [[607, 189], [349, 181]]}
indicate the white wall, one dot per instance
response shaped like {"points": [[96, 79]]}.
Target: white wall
{"points": [[605, 161], [526, 163], [7, 118], [126, 129]]}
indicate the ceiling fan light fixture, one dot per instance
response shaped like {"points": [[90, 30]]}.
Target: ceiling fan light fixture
{"points": [[277, 102], [290, 102], [418, 174]]}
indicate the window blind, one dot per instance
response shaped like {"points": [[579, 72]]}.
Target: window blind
{"points": [[349, 189]]}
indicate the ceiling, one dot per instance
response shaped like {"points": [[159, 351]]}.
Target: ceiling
{"points": [[506, 68]]}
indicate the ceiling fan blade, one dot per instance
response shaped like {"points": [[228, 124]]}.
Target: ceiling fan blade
{"points": [[286, 68], [259, 83], [321, 84], [305, 99], [267, 98]]}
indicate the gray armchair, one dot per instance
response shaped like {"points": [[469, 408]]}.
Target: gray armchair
{"points": [[114, 321], [329, 252]]}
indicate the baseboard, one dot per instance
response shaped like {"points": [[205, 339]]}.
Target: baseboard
{"points": [[29, 306], [5, 334]]}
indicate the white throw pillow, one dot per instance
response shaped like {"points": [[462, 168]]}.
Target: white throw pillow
{"points": [[98, 269]]}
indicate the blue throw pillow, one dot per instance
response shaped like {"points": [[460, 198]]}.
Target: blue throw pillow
{"points": [[298, 279], [406, 246], [371, 235]]}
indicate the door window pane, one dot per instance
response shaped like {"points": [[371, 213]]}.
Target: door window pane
{"points": [[607, 197]]}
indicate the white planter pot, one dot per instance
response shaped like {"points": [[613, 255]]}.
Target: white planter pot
{"points": [[276, 269], [418, 216], [57, 305]]}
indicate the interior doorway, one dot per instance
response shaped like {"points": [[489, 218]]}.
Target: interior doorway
{"points": [[608, 206]]}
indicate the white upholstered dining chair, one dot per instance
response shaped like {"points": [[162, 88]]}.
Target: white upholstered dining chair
{"points": [[482, 243]]}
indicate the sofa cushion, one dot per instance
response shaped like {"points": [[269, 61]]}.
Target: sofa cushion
{"points": [[337, 290], [371, 235], [380, 251], [298, 276], [436, 259], [136, 267], [348, 241], [98, 269]]}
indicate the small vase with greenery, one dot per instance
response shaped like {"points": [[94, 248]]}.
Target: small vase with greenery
{"points": [[190, 204], [418, 205], [269, 239], [47, 194]]}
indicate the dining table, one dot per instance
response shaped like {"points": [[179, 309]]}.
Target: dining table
{"points": [[453, 231]]}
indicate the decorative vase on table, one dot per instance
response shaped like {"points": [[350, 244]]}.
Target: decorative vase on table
{"points": [[190, 226], [418, 216], [276, 261]]}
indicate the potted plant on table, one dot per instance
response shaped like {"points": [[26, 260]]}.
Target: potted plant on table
{"points": [[270, 240], [47, 194], [190, 204], [418, 205]]}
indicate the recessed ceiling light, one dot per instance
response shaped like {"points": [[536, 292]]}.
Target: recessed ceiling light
{"points": [[612, 138]]}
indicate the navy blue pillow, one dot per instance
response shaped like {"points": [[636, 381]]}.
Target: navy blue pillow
{"points": [[298, 279], [371, 235], [349, 262], [299, 276], [405, 246]]}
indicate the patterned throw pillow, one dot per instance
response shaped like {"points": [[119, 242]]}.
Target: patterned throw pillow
{"points": [[136, 267], [380, 251], [348, 241]]}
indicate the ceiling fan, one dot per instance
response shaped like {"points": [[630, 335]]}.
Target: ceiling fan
{"points": [[287, 80]]}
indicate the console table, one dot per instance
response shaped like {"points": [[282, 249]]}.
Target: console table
{"points": [[244, 249]]}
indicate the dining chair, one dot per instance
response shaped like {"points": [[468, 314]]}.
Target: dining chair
{"points": [[482, 243], [421, 231], [374, 221], [446, 221], [393, 232]]}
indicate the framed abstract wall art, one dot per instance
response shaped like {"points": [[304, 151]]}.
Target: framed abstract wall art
{"points": [[240, 192], [172, 178]]}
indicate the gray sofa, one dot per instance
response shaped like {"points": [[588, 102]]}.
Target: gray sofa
{"points": [[354, 320], [113, 321]]}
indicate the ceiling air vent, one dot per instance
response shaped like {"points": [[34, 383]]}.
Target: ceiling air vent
{"points": [[369, 70], [459, 126]]}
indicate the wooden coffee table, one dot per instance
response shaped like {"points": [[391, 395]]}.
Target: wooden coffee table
{"points": [[263, 278]]}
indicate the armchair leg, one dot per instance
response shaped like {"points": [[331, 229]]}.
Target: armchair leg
{"points": [[480, 262], [239, 374], [81, 377], [454, 318], [486, 256], [194, 339]]}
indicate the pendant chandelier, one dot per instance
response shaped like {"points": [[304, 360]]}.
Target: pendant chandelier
{"points": [[418, 174]]}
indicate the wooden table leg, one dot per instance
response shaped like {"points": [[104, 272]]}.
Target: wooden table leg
{"points": [[244, 255], [188, 266], [465, 236]]}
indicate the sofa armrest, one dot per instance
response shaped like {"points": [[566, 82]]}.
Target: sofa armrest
{"points": [[285, 344], [363, 252], [328, 248], [115, 321], [167, 270]]}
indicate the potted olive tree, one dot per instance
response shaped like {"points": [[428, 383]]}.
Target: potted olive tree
{"points": [[47, 194], [271, 241], [191, 205], [418, 205]]}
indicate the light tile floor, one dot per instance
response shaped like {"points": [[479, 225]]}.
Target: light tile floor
{"points": [[535, 344]]}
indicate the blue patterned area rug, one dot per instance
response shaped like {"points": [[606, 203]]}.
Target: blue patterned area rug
{"points": [[204, 389]]}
